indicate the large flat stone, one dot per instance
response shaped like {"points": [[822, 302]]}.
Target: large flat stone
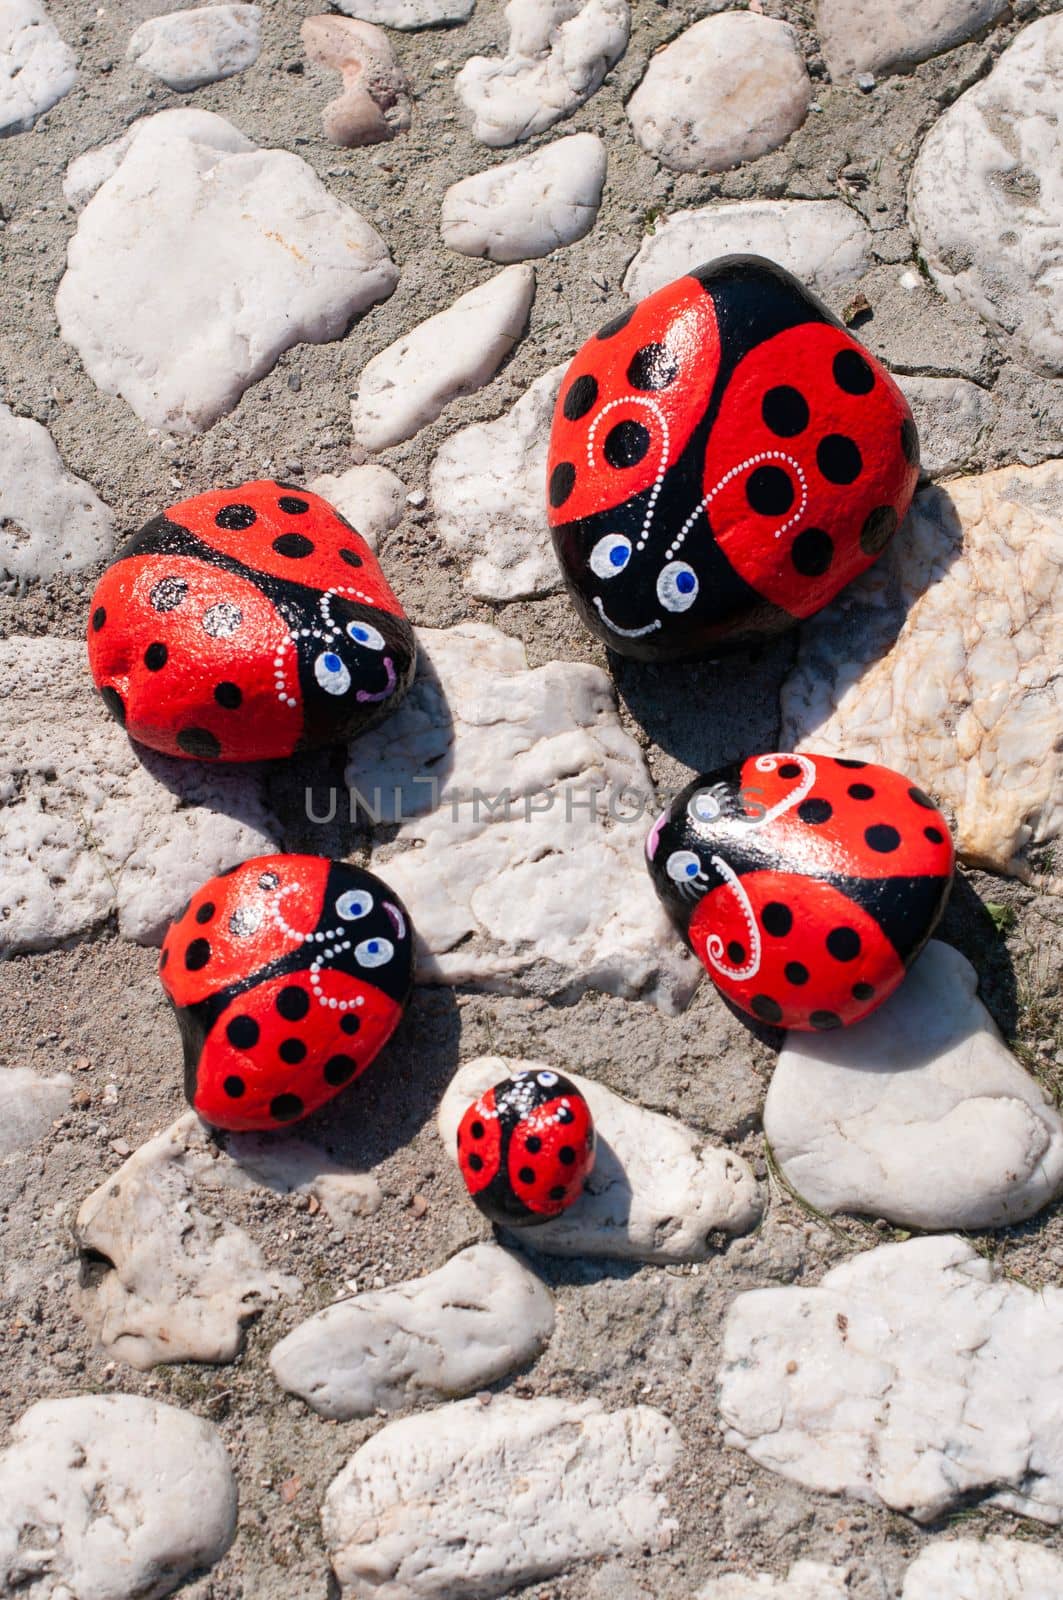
{"points": [[187, 49], [866, 36], [36, 67], [984, 1569], [530, 206]]}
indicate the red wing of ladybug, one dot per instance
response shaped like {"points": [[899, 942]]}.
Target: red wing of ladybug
{"points": [[631, 400], [805, 482], [480, 1144], [287, 533], [541, 1146]]}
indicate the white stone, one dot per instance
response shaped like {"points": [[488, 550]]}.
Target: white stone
{"points": [[822, 242], [487, 496], [806, 1580], [90, 831], [866, 36], [111, 1497], [984, 1569], [50, 521], [479, 1500], [374, 103], [945, 661], [36, 67], [434, 1338], [371, 497], [409, 13], [729, 89], [559, 52], [530, 206], [454, 353], [182, 1282], [915, 1376], [286, 1166], [986, 197], [288, 262], [29, 1105], [553, 898], [658, 1189], [189, 48], [87, 172], [952, 417], [919, 1114]]}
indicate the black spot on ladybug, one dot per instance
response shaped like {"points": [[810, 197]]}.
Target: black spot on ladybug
{"points": [[567, 1155], [580, 397], [617, 325], [292, 505], [736, 952], [352, 558], [846, 761], [526, 1175], [785, 411], [777, 919], [652, 367], [838, 458], [234, 1086], [339, 1069], [291, 1050], [205, 912], [294, 545], [115, 705], [156, 656], [242, 1033], [99, 617], [293, 1003], [921, 799], [789, 769], [565, 1115], [812, 552], [935, 835], [879, 528], [626, 444], [861, 791], [562, 483], [236, 518], [843, 944], [477, 1130], [767, 1009], [882, 838], [815, 811], [349, 1023], [228, 695], [796, 972], [769, 491], [163, 959], [168, 594], [910, 442], [533, 1144], [825, 1020], [284, 1107], [852, 373], [476, 1163], [863, 991], [558, 1192], [199, 742], [197, 955]]}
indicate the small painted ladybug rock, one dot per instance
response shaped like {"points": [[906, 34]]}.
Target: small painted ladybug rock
{"points": [[806, 885], [288, 974], [246, 624], [526, 1147], [724, 457]]}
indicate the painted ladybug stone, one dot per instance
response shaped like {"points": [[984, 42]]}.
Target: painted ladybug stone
{"points": [[724, 457], [287, 974], [806, 885], [526, 1147], [245, 624]]}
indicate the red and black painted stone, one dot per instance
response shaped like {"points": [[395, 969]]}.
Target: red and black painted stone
{"points": [[526, 1147], [805, 884], [246, 624], [288, 975], [724, 458]]}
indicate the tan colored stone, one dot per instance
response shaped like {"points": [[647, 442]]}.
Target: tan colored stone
{"points": [[374, 105]]}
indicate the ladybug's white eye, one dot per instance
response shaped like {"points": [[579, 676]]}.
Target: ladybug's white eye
{"points": [[682, 865], [354, 904], [610, 555], [331, 674], [373, 952], [547, 1079], [677, 586], [363, 634], [704, 807]]}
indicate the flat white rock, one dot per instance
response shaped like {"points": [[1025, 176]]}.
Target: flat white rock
{"points": [[530, 206], [945, 661], [50, 521], [36, 67], [952, 417], [111, 1497], [189, 48], [729, 89], [288, 262], [806, 1580], [409, 13], [479, 1500], [371, 497], [986, 197], [486, 486], [559, 53], [915, 1377], [984, 1569], [434, 1338], [87, 172], [453, 353], [29, 1105], [866, 36], [554, 897], [90, 831], [658, 1189], [822, 242], [181, 1281], [919, 1114]]}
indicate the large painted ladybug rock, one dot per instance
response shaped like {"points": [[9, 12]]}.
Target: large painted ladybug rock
{"points": [[245, 624], [288, 974], [724, 457], [806, 885], [526, 1147]]}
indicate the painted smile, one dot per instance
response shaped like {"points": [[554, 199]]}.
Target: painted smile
{"points": [[364, 695], [628, 633]]}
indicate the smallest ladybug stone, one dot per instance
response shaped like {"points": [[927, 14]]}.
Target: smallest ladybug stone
{"points": [[526, 1147], [806, 885]]}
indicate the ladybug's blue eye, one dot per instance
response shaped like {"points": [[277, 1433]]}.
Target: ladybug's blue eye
{"points": [[367, 636], [331, 673], [610, 555], [677, 586], [354, 904], [373, 952], [682, 865]]}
